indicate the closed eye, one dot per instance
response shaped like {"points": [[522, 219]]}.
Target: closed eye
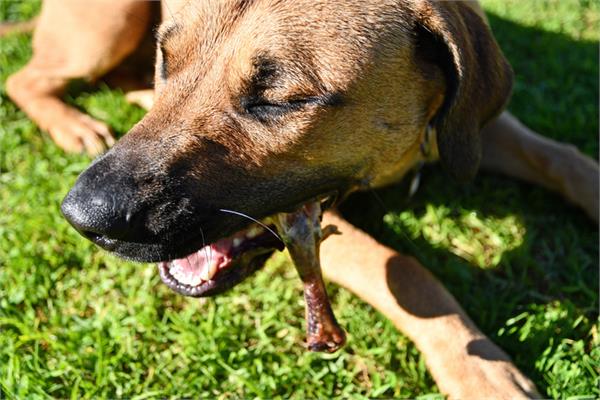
{"points": [[263, 109]]}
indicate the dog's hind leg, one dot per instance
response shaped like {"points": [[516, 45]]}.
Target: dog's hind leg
{"points": [[462, 360], [75, 40], [511, 148]]}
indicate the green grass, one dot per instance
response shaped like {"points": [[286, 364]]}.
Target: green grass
{"points": [[78, 322]]}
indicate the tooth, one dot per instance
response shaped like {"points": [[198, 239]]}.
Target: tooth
{"points": [[174, 270], [237, 242]]}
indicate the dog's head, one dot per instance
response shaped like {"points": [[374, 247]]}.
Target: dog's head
{"points": [[261, 106]]}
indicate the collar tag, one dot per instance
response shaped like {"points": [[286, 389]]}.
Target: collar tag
{"points": [[416, 179], [425, 148]]}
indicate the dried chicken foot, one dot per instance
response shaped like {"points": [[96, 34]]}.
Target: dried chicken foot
{"points": [[301, 232]]}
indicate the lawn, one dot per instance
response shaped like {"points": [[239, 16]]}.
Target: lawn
{"points": [[78, 322]]}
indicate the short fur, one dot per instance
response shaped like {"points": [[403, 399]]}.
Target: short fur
{"points": [[261, 105]]}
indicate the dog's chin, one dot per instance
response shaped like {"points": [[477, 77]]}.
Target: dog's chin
{"points": [[221, 265]]}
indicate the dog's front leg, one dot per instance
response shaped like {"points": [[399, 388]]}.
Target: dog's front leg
{"points": [[461, 359], [75, 40]]}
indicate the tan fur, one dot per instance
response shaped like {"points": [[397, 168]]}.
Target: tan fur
{"points": [[390, 91]]}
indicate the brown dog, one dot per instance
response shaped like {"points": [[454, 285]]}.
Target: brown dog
{"points": [[262, 106]]}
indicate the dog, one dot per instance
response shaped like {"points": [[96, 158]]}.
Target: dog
{"points": [[262, 106]]}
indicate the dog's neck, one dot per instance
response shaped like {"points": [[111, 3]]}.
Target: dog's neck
{"points": [[423, 151]]}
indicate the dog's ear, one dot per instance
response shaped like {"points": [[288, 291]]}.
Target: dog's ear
{"points": [[478, 79]]}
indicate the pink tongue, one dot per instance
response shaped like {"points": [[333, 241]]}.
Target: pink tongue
{"points": [[203, 264]]}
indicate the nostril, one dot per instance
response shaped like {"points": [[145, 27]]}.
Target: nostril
{"points": [[93, 236], [101, 240], [103, 206]]}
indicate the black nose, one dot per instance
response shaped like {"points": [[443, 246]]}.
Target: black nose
{"points": [[101, 208]]}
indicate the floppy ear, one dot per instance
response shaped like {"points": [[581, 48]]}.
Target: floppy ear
{"points": [[478, 79]]}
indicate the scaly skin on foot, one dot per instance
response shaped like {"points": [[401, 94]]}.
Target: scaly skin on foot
{"points": [[302, 235]]}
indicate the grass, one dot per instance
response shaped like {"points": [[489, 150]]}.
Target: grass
{"points": [[78, 322]]}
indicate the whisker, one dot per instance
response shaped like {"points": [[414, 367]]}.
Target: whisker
{"points": [[169, 10], [252, 219], [206, 253]]}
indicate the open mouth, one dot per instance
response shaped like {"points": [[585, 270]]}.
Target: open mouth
{"points": [[219, 266]]}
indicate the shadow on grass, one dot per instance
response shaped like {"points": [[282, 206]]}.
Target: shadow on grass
{"points": [[556, 82], [545, 290]]}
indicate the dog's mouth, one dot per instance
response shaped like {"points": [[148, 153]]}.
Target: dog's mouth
{"points": [[219, 266]]}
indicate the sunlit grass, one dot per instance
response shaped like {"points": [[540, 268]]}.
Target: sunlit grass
{"points": [[482, 241], [78, 322]]}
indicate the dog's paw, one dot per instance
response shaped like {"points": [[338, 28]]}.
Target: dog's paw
{"points": [[485, 372], [76, 132]]}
